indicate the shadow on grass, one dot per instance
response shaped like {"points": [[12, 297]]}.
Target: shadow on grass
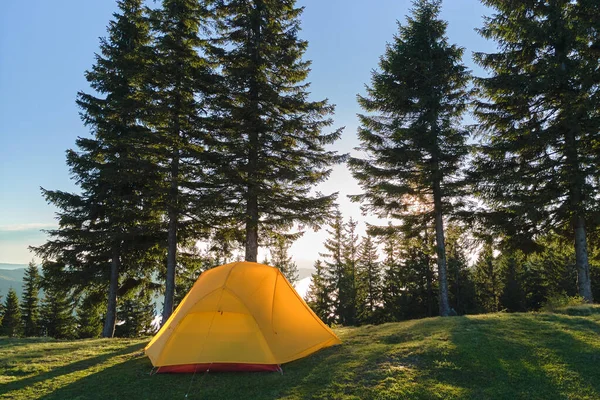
{"points": [[525, 357], [497, 357], [67, 369]]}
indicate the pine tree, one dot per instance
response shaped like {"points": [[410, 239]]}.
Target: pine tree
{"points": [[538, 160], [347, 286], [319, 293], [273, 135], [104, 231], [281, 259], [183, 83], [411, 134], [368, 282], [56, 314], [56, 311], [30, 310], [11, 316], [417, 278], [89, 316], [512, 297], [136, 314], [461, 288], [393, 286], [336, 269], [488, 280]]}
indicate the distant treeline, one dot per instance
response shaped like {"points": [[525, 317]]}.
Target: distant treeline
{"points": [[202, 130]]}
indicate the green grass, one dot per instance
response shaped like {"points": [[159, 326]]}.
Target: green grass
{"points": [[497, 356]]}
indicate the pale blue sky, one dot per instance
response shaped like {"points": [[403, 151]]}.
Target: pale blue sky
{"points": [[45, 47]]}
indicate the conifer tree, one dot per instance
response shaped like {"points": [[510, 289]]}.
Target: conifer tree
{"points": [[335, 267], [538, 160], [319, 293], [273, 135], [30, 309], [347, 286], [368, 282], [411, 132], [512, 297], [488, 280], [281, 259], [393, 286], [11, 316], [136, 314], [461, 288], [56, 311], [183, 83], [89, 316], [106, 229]]}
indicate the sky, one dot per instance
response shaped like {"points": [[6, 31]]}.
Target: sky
{"points": [[46, 46]]}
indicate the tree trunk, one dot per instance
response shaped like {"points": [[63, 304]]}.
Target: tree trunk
{"points": [[440, 246], [172, 239], [577, 179], [251, 227], [252, 215], [111, 310], [581, 261]]}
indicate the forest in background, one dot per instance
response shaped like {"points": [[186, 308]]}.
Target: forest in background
{"points": [[203, 132]]}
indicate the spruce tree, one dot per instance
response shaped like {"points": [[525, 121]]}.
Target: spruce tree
{"points": [[512, 297], [11, 317], [56, 311], [183, 82], [319, 293], [538, 161], [89, 316], [368, 282], [281, 259], [136, 314], [488, 280], [106, 229], [392, 285], [411, 132], [30, 309], [335, 267], [273, 135], [461, 288]]}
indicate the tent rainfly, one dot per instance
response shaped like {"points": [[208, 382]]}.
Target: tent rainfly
{"points": [[238, 317]]}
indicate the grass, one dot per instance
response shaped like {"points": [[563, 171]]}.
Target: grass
{"points": [[496, 356]]}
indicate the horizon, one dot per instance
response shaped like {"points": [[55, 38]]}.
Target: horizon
{"points": [[39, 119]]}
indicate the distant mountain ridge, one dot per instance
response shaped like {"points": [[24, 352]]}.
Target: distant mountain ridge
{"points": [[11, 276]]}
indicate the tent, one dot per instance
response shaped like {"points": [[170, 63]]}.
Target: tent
{"points": [[238, 317]]}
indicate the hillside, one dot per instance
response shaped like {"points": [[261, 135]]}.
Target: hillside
{"points": [[498, 356], [11, 276]]}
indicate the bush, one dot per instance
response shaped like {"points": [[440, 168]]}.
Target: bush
{"points": [[562, 300]]}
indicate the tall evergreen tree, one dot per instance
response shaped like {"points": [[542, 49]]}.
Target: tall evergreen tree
{"points": [[281, 259], [335, 267], [89, 316], [368, 282], [11, 316], [538, 161], [56, 311], [347, 286], [319, 293], [183, 83], [412, 134], [30, 309], [136, 314], [273, 135], [392, 286], [106, 229], [512, 297], [488, 280], [461, 288]]}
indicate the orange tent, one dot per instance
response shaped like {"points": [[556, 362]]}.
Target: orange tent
{"points": [[240, 316]]}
